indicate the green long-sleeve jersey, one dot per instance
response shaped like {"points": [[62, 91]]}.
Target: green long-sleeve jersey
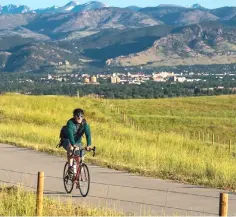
{"points": [[76, 131]]}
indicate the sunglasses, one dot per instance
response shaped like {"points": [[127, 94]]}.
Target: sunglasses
{"points": [[79, 116]]}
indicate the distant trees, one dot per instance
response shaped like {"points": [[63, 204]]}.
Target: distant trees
{"points": [[111, 91], [13, 82]]}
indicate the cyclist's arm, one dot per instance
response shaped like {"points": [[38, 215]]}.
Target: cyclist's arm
{"points": [[88, 134], [70, 128]]}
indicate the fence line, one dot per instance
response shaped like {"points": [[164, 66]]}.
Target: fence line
{"points": [[204, 136], [199, 135], [156, 205], [125, 186], [127, 201], [13, 183], [117, 110], [223, 202]]}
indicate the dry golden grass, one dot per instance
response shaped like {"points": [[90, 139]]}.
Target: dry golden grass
{"points": [[14, 201], [35, 121]]}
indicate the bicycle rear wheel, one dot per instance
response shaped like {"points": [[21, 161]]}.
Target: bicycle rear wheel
{"points": [[84, 180], [67, 180]]}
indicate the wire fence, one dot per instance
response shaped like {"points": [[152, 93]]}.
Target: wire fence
{"points": [[207, 137], [107, 196], [123, 186]]}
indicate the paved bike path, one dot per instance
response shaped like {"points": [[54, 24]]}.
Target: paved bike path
{"points": [[111, 188]]}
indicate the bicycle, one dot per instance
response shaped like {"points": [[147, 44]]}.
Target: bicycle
{"points": [[82, 175]]}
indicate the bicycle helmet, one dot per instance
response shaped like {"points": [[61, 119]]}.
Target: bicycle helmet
{"points": [[78, 113]]}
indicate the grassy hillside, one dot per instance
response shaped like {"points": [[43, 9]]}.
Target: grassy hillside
{"points": [[35, 121], [206, 115]]}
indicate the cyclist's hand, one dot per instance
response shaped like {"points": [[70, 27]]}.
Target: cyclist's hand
{"points": [[88, 148]]}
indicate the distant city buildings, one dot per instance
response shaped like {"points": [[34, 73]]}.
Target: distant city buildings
{"points": [[115, 79], [135, 78], [122, 78], [90, 80]]}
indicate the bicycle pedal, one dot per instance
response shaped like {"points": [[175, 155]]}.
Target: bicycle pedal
{"points": [[78, 186], [71, 177]]}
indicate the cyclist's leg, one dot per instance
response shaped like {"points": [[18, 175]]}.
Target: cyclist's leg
{"points": [[67, 146], [78, 152]]}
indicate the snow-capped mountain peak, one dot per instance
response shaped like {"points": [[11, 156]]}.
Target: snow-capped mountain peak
{"points": [[14, 9], [92, 5], [72, 3], [69, 6], [72, 6]]}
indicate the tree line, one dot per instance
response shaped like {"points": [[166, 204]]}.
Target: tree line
{"points": [[146, 90]]}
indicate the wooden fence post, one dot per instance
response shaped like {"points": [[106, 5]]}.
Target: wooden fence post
{"points": [[199, 135], [213, 138], [230, 145], [223, 207], [39, 200]]}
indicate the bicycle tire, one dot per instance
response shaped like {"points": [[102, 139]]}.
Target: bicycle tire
{"points": [[84, 174], [66, 179]]}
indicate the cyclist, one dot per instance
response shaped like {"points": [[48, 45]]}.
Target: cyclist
{"points": [[76, 127]]}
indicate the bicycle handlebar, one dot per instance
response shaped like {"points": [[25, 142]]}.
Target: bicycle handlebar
{"points": [[83, 149]]}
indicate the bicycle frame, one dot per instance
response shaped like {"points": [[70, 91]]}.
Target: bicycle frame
{"points": [[78, 164]]}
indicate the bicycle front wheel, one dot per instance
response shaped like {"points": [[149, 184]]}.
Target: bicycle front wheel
{"points": [[84, 180], [67, 180]]}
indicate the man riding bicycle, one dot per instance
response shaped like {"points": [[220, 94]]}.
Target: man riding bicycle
{"points": [[74, 130]]}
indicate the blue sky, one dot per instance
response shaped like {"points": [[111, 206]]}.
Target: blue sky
{"points": [[122, 3]]}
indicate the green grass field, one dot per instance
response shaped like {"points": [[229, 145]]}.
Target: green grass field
{"points": [[186, 115], [14, 201], [159, 149]]}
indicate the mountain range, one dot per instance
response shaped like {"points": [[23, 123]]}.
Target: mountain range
{"points": [[72, 6], [94, 33]]}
